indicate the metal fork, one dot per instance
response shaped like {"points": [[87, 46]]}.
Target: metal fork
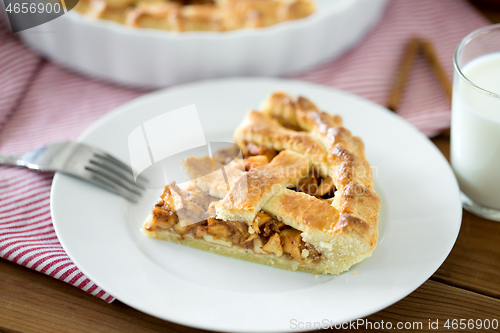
{"points": [[84, 162]]}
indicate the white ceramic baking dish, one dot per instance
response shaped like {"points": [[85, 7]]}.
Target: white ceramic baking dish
{"points": [[156, 58]]}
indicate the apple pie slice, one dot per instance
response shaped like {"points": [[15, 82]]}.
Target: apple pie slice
{"points": [[301, 198]]}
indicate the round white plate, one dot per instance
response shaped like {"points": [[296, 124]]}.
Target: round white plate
{"points": [[419, 222]]}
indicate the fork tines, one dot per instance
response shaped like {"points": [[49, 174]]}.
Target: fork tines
{"points": [[114, 175]]}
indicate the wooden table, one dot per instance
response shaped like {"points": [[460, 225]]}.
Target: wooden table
{"points": [[466, 286]]}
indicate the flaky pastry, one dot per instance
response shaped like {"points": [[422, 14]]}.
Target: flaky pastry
{"points": [[301, 198]]}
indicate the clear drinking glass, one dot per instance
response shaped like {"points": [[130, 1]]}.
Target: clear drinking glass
{"points": [[475, 124]]}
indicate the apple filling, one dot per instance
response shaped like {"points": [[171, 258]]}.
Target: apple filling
{"points": [[189, 213]]}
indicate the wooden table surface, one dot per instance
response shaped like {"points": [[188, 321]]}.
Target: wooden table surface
{"points": [[466, 286]]}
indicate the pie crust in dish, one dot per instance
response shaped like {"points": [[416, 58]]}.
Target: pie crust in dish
{"points": [[301, 198], [197, 15]]}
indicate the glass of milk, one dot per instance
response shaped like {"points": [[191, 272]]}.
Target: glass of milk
{"points": [[475, 123]]}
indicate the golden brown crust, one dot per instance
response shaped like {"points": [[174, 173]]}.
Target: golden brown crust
{"points": [[268, 132], [201, 170], [218, 15], [302, 211], [251, 191]]}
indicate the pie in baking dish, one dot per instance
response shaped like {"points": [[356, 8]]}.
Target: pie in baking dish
{"points": [[301, 198], [197, 15]]}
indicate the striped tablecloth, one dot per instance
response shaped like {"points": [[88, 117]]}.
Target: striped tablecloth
{"points": [[41, 102]]}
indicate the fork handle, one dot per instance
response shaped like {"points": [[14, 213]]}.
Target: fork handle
{"points": [[10, 160]]}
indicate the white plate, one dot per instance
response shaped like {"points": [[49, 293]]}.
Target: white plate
{"points": [[419, 222], [157, 58]]}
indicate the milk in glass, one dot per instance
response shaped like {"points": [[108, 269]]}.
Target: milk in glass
{"points": [[475, 127]]}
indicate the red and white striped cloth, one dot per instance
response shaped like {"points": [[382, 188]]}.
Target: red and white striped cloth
{"points": [[41, 103]]}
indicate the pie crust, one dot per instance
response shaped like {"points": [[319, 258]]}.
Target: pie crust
{"points": [[302, 199], [197, 15]]}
